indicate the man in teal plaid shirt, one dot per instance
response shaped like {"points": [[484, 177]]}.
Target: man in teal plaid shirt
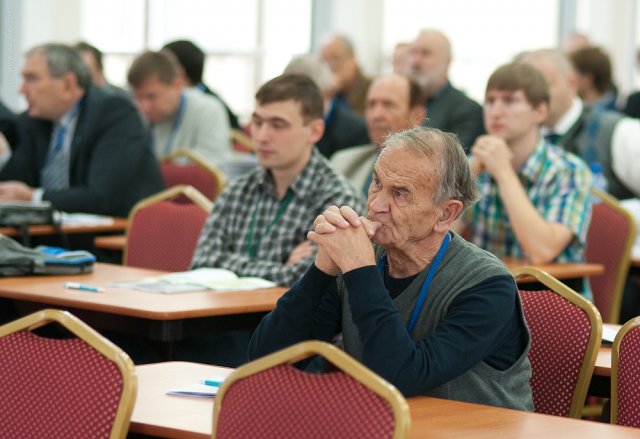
{"points": [[535, 197]]}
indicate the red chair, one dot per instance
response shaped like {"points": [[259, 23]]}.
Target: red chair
{"points": [[184, 167], [81, 387], [625, 375], [269, 398], [609, 241], [162, 234], [566, 331]]}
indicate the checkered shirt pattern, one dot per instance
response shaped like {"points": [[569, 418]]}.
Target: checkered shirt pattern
{"points": [[224, 239], [558, 184]]}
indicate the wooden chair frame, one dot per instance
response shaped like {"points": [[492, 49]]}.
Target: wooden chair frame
{"points": [[173, 192], [194, 157], [625, 262], [338, 358], [240, 138], [615, 365], [595, 335], [98, 342]]}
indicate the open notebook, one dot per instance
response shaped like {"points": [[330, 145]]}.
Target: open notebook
{"points": [[200, 279]]}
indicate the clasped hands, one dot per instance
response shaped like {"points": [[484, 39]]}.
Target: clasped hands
{"points": [[344, 240]]}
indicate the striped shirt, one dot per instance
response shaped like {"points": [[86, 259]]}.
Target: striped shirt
{"points": [[558, 185], [252, 233]]}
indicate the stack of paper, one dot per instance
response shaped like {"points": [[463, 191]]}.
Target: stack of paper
{"points": [[200, 279]]}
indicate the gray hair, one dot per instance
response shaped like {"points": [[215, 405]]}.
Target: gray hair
{"points": [[312, 67], [557, 58], [455, 179], [62, 59]]}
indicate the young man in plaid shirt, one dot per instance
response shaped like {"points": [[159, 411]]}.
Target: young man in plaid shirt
{"points": [[535, 196], [258, 225]]}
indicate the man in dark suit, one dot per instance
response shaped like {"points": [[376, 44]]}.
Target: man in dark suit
{"points": [[82, 149], [342, 127], [8, 124], [448, 108]]}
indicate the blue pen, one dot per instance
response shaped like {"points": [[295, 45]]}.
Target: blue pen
{"points": [[82, 287], [212, 383]]}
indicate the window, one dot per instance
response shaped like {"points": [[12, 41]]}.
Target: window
{"points": [[246, 41]]}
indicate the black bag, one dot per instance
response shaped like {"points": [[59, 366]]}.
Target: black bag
{"points": [[25, 214], [17, 260]]}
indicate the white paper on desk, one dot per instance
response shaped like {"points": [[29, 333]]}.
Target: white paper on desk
{"points": [[609, 332], [200, 279], [85, 219], [217, 279], [195, 390], [154, 286]]}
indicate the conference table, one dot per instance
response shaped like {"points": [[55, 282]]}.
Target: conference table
{"points": [[166, 318], [115, 225], [160, 415], [559, 270]]}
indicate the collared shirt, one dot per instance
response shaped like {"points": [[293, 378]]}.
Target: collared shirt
{"points": [[558, 185], [228, 232], [68, 121], [567, 120]]}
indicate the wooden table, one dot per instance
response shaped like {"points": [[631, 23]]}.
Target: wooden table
{"points": [[118, 225], [163, 317], [157, 414], [114, 242], [559, 270]]}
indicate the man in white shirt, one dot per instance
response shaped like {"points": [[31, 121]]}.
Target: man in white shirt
{"points": [[605, 137], [179, 118]]}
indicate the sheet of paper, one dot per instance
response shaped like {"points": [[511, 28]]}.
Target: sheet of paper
{"points": [[216, 279], [195, 391], [609, 332], [85, 219], [200, 390]]}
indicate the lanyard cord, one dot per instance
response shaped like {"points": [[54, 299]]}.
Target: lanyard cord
{"points": [[253, 241], [415, 313], [177, 120]]}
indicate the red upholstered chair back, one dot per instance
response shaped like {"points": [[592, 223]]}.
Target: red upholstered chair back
{"points": [[565, 334], [183, 167], [625, 376], [63, 388], [278, 400], [609, 241], [162, 234]]}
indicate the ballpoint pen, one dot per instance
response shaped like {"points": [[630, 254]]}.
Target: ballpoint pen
{"points": [[212, 383], [82, 287]]}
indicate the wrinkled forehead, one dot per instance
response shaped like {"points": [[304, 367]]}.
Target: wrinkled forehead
{"points": [[402, 164]]}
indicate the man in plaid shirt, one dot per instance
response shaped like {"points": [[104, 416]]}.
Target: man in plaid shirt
{"points": [[259, 224], [535, 197]]}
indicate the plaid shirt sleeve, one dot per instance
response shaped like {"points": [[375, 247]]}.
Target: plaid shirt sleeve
{"points": [[222, 243]]}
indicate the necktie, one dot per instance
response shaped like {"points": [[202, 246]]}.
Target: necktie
{"points": [[55, 174]]}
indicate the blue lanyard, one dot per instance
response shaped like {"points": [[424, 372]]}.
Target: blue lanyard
{"points": [[177, 120], [427, 281]]}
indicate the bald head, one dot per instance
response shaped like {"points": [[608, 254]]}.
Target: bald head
{"points": [[560, 76], [394, 103], [429, 60]]}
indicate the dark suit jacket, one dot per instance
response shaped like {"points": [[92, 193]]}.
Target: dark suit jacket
{"points": [[9, 125], [343, 129], [452, 111], [111, 163], [632, 108]]}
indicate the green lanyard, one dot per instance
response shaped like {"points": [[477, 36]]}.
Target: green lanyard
{"points": [[253, 242]]}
